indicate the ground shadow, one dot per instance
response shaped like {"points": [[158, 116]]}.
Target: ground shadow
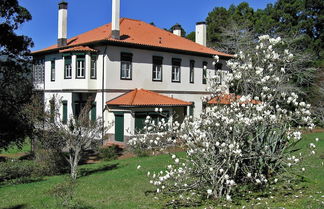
{"points": [[90, 171], [16, 207]]}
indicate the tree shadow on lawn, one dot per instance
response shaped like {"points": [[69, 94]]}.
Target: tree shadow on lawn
{"points": [[21, 206], [90, 171]]}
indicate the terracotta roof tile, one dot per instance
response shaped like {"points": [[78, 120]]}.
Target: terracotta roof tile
{"points": [[227, 99], [78, 49], [138, 33], [142, 97]]}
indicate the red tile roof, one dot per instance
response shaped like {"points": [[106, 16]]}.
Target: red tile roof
{"points": [[138, 33], [227, 99], [78, 49], [142, 97]]}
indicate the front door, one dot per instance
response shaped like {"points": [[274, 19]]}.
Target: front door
{"points": [[119, 126]]}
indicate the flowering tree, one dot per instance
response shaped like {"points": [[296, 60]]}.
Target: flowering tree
{"points": [[74, 137], [248, 142]]}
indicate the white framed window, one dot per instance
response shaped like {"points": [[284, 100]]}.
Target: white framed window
{"points": [[80, 67], [67, 67], [126, 66], [157, 68], [192, 71], [176, 70], [93, 70], [53, 70]]}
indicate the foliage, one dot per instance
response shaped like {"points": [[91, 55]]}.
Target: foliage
{"points": [[18, 171], [191, 36], [51, 161], [247, 143], [78, 135], [15, 81], [110, 152], [64, 193], [129, 188]]}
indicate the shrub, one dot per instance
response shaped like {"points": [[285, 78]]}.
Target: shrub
{"points": [[17, 171], [64, 193], [110, 152], [51, 161]]}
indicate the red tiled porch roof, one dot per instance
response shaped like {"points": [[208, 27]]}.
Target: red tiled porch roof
{"points": [[142, 97], [227, 99]]}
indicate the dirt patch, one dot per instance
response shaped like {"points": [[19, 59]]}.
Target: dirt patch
{"points": [[14, 155]]}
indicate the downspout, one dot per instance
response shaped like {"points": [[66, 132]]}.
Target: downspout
{"points": [[103, 94]]}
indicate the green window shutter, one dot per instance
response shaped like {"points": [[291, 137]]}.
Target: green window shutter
{"points": [[64, 118], [94, 111]]}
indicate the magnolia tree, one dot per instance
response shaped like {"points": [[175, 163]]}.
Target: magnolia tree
{"points": [[249, 142]]}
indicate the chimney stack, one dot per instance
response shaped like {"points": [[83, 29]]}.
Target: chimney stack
{"points": [[176, 29], [201, 33], [115, 30], [62, 24]]}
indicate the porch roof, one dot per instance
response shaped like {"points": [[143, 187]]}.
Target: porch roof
{"points": [[142, 97], [227, 99]]}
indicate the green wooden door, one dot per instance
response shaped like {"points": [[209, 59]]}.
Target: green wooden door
{"points": [[140, 121], [119, 126]]}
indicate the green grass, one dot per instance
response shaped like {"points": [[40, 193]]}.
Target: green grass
{"points": [[26, 147], [118, 185]]}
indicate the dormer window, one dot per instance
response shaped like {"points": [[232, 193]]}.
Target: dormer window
{"points": [[176, 63], [80, 66], [157, 68], [67, 67], [126, 66]]}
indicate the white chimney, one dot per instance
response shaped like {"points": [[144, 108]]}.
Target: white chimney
{"points": [[201, 33], [62, 24], [176, 29], [115, 30]]}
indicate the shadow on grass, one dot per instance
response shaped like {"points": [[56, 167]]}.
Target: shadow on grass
{"points": [[16, 207], [20, 181], [90, 171]]}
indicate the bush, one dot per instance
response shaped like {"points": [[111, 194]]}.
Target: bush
{"points": [[17, 171], [51, 161], [110, 153]]}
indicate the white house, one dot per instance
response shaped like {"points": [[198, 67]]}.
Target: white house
{"points": [[129, 68]]}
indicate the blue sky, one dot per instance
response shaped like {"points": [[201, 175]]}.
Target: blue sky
{"points": [[84, 15]]}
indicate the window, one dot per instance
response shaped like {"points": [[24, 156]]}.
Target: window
{"points": [[157, 68], [219, 73], [53, 70], [126, 66], [93, 70], [204, 78], [38, 70], [191, 109], [176, 63], [80, 66], [67, 67], [93, 113], [64, 115], [192, 71]]}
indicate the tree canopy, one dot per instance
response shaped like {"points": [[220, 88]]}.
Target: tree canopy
{"points": [[15, 79]]}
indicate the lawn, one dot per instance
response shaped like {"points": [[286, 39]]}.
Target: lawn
{"points": [[119, 184]]}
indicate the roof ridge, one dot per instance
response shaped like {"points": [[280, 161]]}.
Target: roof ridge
{"points": [[135, 93], [149, 91]]}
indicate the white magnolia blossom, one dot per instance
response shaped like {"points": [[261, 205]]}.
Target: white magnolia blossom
{"points": [[245, 142]]}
